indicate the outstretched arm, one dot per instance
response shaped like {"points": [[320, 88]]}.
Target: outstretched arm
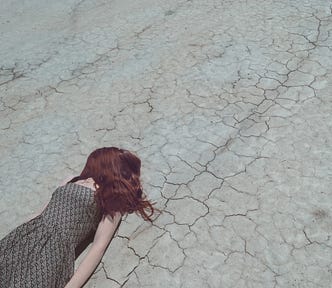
{"points": [[103, 236]]}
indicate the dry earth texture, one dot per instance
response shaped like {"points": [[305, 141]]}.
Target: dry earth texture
{"points": [[227, 103]]}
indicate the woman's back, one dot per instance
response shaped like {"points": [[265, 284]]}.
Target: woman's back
{"points": [[41, 252], [72, 212]]}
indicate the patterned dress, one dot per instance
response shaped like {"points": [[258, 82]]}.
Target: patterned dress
{"points": [[41, 252]]}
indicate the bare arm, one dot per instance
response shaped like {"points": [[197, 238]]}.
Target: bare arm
{"points": [[103, 236]]}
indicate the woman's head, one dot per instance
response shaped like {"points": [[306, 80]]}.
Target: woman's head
{"points": [[116, 173]]}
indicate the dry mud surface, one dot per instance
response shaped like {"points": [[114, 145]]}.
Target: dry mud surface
{"points": [[227, 103]]}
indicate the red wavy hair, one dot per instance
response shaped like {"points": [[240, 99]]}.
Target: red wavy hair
{"points": [[116, 173]]}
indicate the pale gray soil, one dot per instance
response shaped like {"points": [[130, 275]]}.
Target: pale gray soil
{"points": [[227, 103]]}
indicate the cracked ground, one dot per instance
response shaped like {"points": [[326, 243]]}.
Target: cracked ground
{"points": [[227, 103]]}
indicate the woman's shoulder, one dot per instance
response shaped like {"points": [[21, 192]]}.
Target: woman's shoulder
{"points": [[84, 183], [89, 183]]}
